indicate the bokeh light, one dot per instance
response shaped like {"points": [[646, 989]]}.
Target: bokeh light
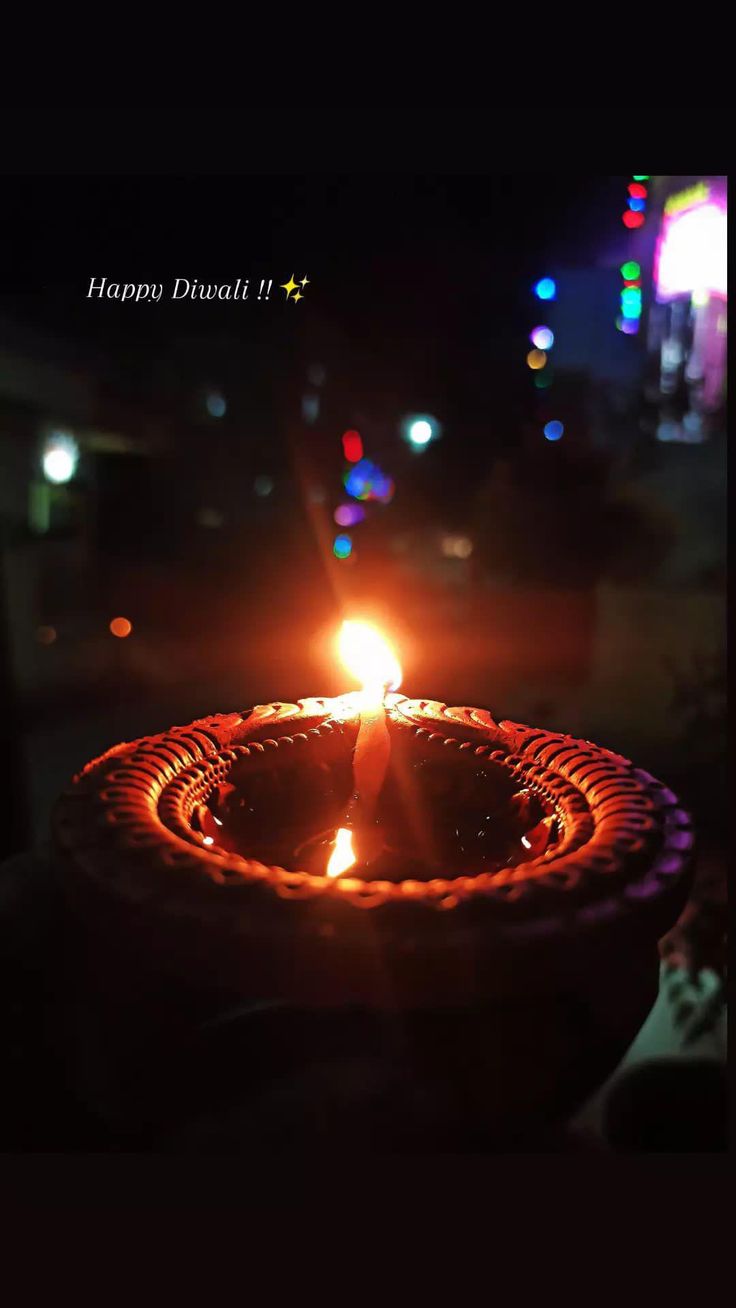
{"points": [[631, 219], [310, 408], [536, 359], [46, 635], [352, 446], [546, 289], [691, 252], [640, 177], [263, 485], [456, 547], [419, 430], [60, 458], [342, 547], [543, 379], [543, 338], [637, 191], [553, 430], [216, 405], [366, 481], [629, 326], [121, 627], [347, 515], [638, 206], [631, 301], [630, 270]]}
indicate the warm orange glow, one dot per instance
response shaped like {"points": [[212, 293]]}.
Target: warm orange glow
{"points": [[121, 627], [369, 657], [342, 856]]}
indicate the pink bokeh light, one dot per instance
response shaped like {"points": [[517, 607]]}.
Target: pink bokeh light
{"points": [[691, 252]]}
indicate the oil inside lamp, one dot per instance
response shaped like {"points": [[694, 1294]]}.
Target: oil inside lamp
{"points": [[370, 659], [386, 809]]}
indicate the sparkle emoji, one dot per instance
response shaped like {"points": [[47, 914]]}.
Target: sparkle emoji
{"points": [[290, 287]]}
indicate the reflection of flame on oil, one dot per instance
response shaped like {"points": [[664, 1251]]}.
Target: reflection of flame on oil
{"points": [[539, 838], [342, 856]]}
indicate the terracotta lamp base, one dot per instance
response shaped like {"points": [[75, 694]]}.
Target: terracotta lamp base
{"points": [[503, 929]]}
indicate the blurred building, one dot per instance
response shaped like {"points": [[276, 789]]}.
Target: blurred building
{"points": [[684, 269]]}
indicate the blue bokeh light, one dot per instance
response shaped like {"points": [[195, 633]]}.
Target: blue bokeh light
{"points": [[553, 430], [216, 405], [546, 289]]}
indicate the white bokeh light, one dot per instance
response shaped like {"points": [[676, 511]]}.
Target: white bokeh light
{"points": [[419, 430], [60, 458], [691, 253]]}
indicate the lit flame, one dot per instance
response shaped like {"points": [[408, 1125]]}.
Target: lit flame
{"points": [[342, 856], [369, 657]]}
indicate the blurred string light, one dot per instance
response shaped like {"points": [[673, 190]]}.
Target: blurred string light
{"points": [[456, 547], [553, 430], [216, 405], [310, 408], [60, 458], [641, 177], [121, 627], [631, 301], [546, 289], [630, 271], [263, 485], [543, 338], [352, 446], [366, 481], [628, 319], [420, 432], [343, 547], [347, 515], [420, 429], [632, 220]]}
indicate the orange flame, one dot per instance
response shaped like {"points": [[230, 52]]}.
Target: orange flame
{"points": [[342, 856], [369, 657]]}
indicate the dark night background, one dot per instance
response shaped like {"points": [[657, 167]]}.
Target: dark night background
{"points": [[420, 301], [589, 595]]}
